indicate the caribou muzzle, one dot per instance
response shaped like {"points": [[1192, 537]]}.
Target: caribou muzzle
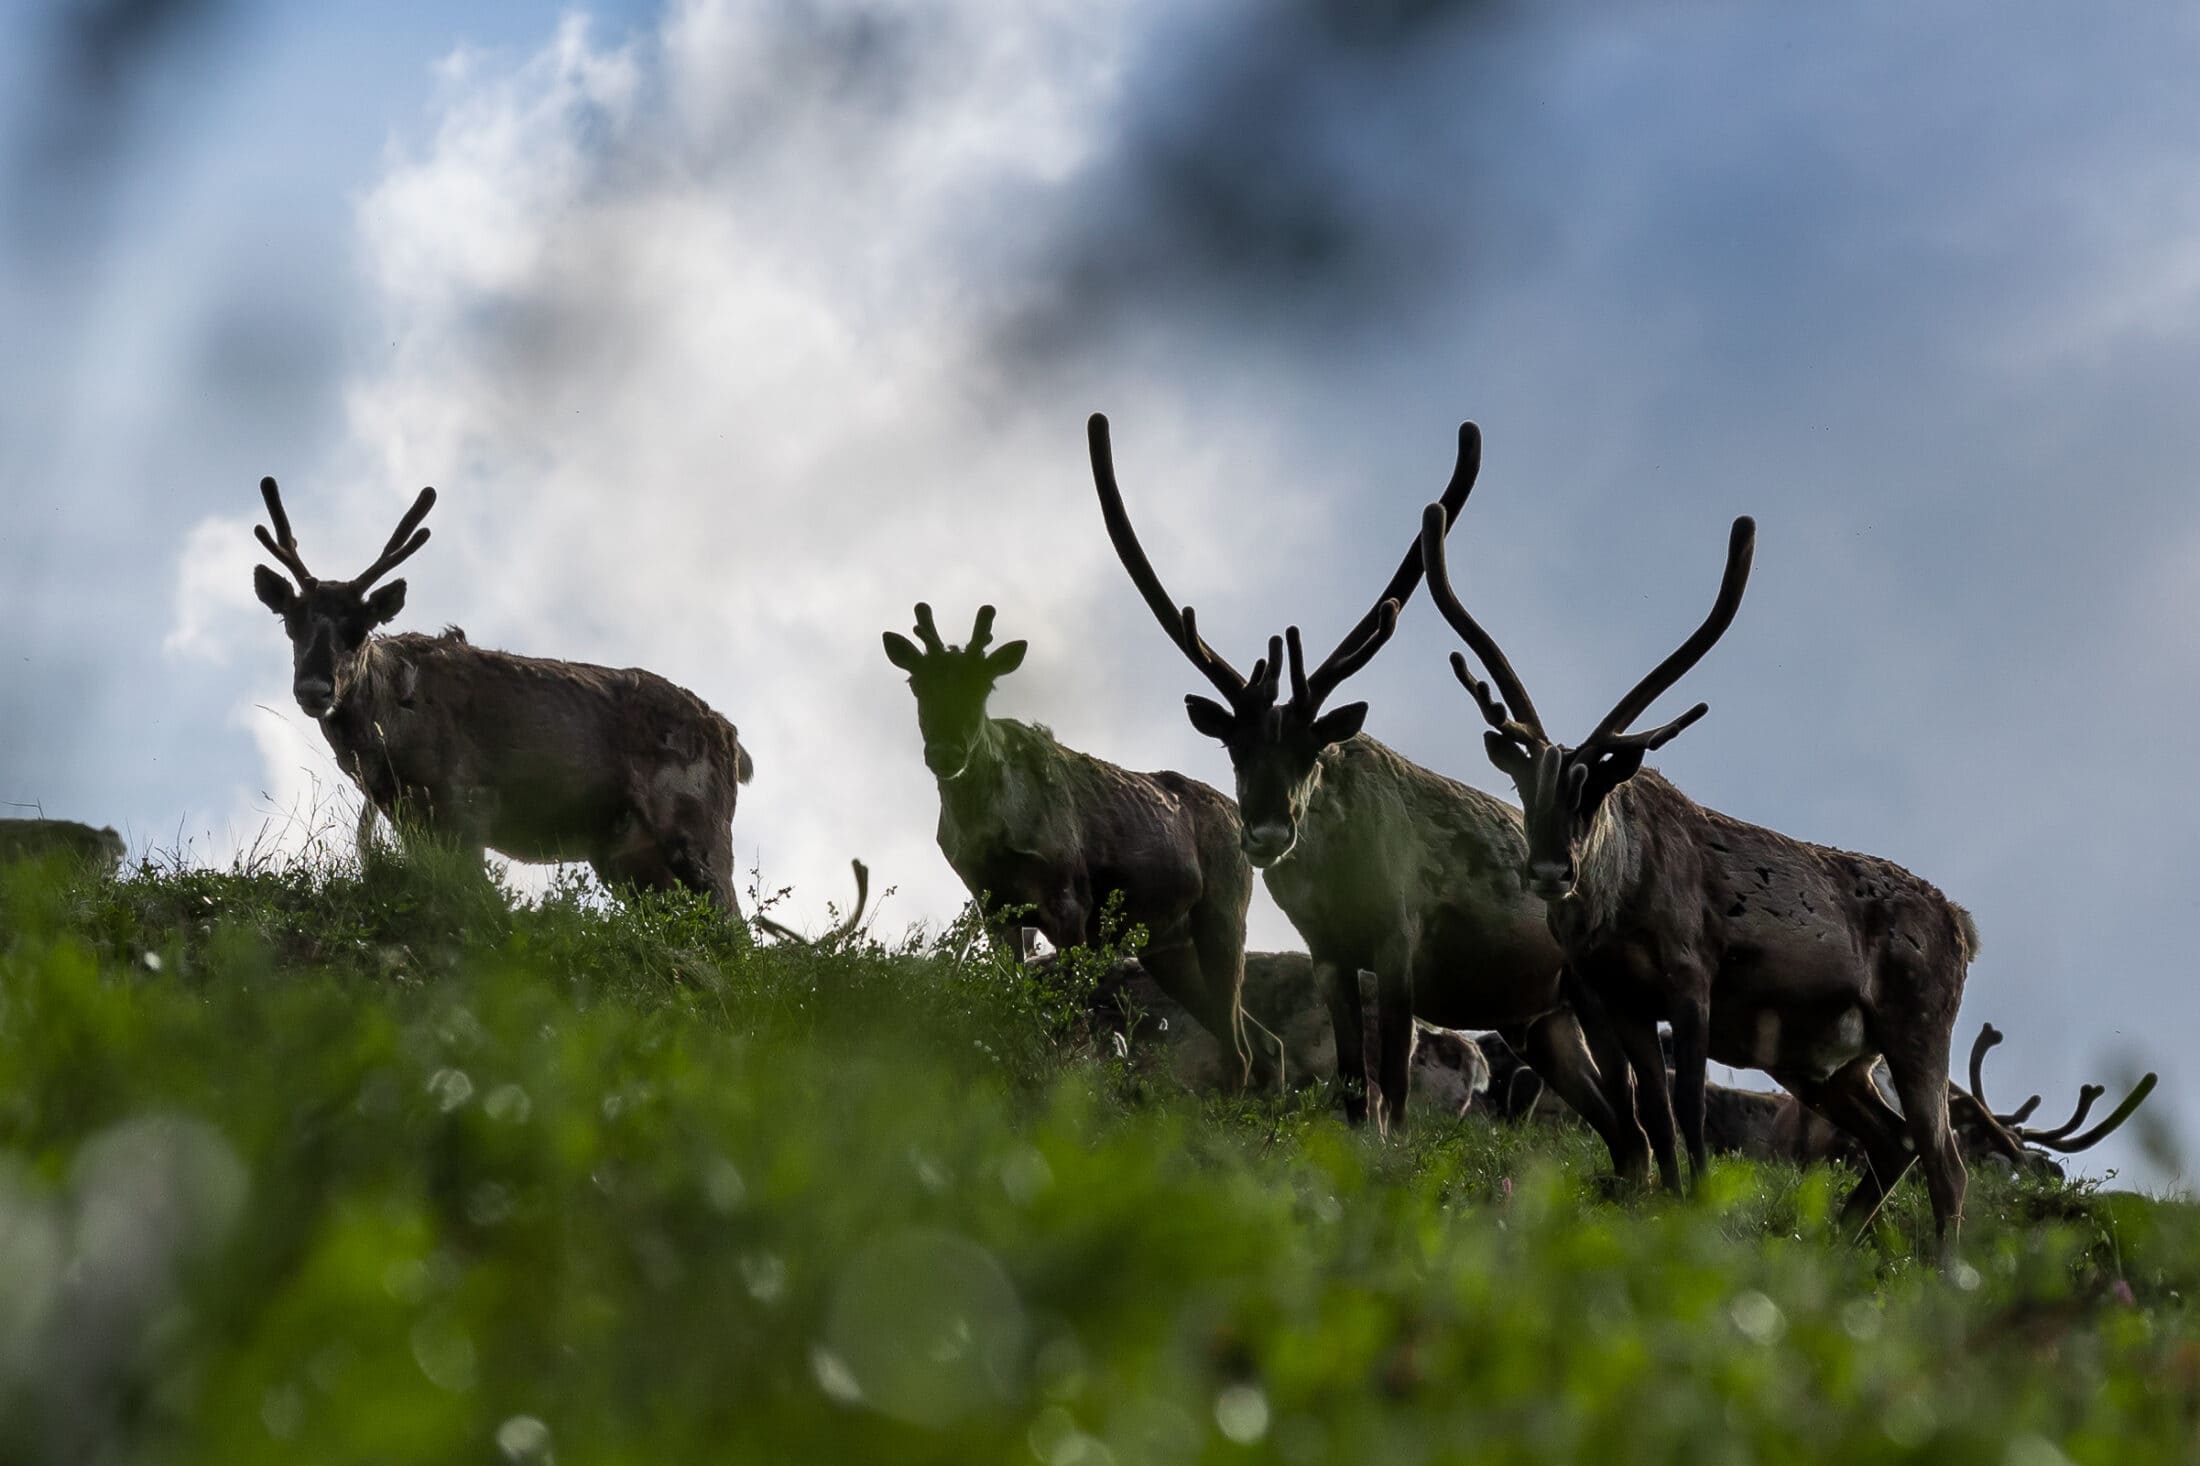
{"points": [[1264, 845], [947, 760], [316, 698], [1549, 881]]}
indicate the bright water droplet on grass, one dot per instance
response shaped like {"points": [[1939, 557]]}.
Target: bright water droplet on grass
{"points": [[508, 1104], [723, 1186], [1241, 1414], [833, 1376], [929, 1172], [450, 1089], [1758, 1318], [2032, 1450], [765, 1277], [523, 1438]]}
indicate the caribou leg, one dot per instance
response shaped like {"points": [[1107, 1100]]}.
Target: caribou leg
{"points": [[1653, 1097], [1218, 936], [1339, 982], [1394, 1031], [1691, 1049], [1613, 1073], [1172, 960], [1921, 1083], [1850, 1101], [1557, 1050]]}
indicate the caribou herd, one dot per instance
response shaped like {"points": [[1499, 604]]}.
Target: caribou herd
{"points": [[1569, 928]]}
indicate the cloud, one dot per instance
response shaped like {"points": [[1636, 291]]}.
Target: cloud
{"points": [[1310, 166]]}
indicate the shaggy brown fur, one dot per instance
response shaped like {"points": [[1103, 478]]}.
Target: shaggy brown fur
{"points": [[1763, 951], [536, 759], [1381, 865], [1027, 822], [544, 760]]}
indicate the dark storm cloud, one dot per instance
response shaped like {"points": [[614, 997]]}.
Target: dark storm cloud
{"points": [[1316, 164], [96, 63]]}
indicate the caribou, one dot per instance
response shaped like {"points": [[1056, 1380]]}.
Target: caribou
{"points": [[537, 759], [1972, 1113], [99, 850], [1774, 1126], [1029, 824], [1763, 951], [1380, 864], [1129, 1015]]}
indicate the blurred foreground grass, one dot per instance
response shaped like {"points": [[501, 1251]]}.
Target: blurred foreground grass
{"points": [[325, 1167]]}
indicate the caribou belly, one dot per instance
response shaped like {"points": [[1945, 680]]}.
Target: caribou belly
{"points": [[1805, 1043]]}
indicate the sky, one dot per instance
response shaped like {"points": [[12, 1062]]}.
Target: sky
{"points": [[728, 331]]}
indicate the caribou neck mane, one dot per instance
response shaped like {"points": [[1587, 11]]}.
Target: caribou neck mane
{"points": [[1362, 763], [1611, 863], [388, 676], [1008, 759], [1370, 808]]}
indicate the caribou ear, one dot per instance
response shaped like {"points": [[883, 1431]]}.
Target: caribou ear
{"points": [[1338, 724], [1511, 759], [1007, 659], [1608, 773], [902, 652], [385, 603], [274, 591], [1209, 717]]}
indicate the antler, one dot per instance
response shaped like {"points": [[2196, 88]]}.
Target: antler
{"points": [[928, 632], [2058, 1137], [1521, 724], [1988, 1037], [2087, 1095], [981, 631], [1741, 547], [399, 548], [1180, 623], [1372, 630], [2062, 1140], [283, 545], [781, 932]]}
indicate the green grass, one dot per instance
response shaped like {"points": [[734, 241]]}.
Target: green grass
{"points": [[375, 1167]]}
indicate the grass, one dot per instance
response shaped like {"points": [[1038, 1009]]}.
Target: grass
{"points": [[377, 1166]]}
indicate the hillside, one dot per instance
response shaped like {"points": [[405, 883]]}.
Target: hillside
{"points": [[343, 1167]]}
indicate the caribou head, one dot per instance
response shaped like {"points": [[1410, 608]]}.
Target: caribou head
{"points": [[1275, 745], [2064, 1137], [1561, 788], [952, 685], [328, 621]]}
